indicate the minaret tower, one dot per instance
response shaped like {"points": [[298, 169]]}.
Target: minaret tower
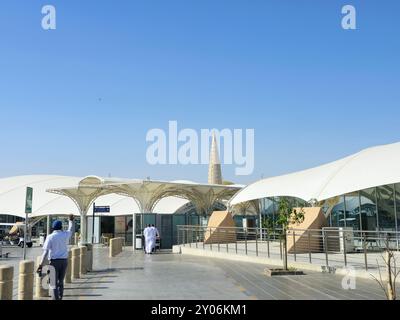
{"points": [[214, 167]]}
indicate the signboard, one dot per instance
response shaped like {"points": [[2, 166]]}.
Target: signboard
{"points": [[28, 201], [105, 209]]}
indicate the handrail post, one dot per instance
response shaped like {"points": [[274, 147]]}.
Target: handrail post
{"points": [[280, 246], [191, 236], [326, 248], [267, 234], [185, 235], [211, 239], [257, 242], [204, 237], [344, 247], [294, 244], [245, 234], [218, 239], [309, 246], [236, 245], [227, 241], [365, 250], [197, 237]]}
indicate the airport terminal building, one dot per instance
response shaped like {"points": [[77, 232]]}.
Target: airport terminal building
{"points": [[361, 191]]}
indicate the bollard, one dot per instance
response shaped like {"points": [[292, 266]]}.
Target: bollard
{"points": [[115, 247], [76, 238], [40, 292], [68, 274], [6, 282], [26, 279], [89, 257], [112, 248], [83, 262], [76, 261]]}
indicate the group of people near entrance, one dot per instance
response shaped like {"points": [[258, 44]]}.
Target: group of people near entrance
{"points": [[150, 238]]}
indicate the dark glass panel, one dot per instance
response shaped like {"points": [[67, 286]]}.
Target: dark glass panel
{"points": [[353, 210], [386, 213], [368, 209]]}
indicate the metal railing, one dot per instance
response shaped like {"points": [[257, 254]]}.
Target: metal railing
{"points": [[329, 247]]}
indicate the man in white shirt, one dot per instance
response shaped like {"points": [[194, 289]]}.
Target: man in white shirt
{"points": [[56, 250]]}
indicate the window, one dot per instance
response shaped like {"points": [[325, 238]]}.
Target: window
{"points": [[397, 187], [337, 211], [353, 219], [386, 214], [368, 209]]}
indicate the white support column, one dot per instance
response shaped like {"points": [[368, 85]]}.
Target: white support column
{"points": [[48, 229], [83, 227], [134, 232]]}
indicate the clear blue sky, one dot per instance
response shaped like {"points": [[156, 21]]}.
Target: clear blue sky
{"points": [[312, 91]]}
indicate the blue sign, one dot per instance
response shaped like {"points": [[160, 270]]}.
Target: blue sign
{"points": [[105, 209]]}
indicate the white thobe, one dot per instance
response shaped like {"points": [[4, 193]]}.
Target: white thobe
{"points": [[154, 235], [147, 238]]}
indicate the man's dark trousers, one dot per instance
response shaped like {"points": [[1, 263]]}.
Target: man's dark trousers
{"points": [[60, 267]]}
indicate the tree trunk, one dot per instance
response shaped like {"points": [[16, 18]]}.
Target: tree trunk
{"points": [[285, 262], [390, 285]]}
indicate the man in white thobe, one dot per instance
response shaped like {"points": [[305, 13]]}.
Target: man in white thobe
{"points": [[154, 236], [147, 236]]}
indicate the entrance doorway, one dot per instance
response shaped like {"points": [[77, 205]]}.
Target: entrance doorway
{"points": [[164, 225]]}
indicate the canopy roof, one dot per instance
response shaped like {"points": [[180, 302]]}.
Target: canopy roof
{"points": [[371, 167], [148, 194], [13, 191], [164, 197]]}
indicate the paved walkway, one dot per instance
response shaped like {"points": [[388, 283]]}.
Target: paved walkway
{"points": [[167, 276]]}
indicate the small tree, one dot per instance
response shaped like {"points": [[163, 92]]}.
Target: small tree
{"points": [[267, 224], [287, 215], [388, 286]]}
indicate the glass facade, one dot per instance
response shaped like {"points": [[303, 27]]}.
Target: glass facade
{"points": [[270, 207], [373, 209], [166, 224]]}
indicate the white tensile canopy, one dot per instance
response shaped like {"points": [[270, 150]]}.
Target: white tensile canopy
{"points": [[371, 167], [146, 193], [60, 195], [13, 192]]}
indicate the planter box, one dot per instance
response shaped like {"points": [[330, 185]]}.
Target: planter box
{"points": [[281, 272]]}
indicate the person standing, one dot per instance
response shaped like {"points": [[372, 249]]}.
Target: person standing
{"points": [[147, 239], [55, 248], [154, 236]]}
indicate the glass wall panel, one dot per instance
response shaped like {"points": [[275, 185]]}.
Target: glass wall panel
{"points": [[269, 211], [337, 211], [194, 220], [238, 221], [397, 187], [353, 210], [386, 214], [368, 209], [177, 220], [148, 219]]}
